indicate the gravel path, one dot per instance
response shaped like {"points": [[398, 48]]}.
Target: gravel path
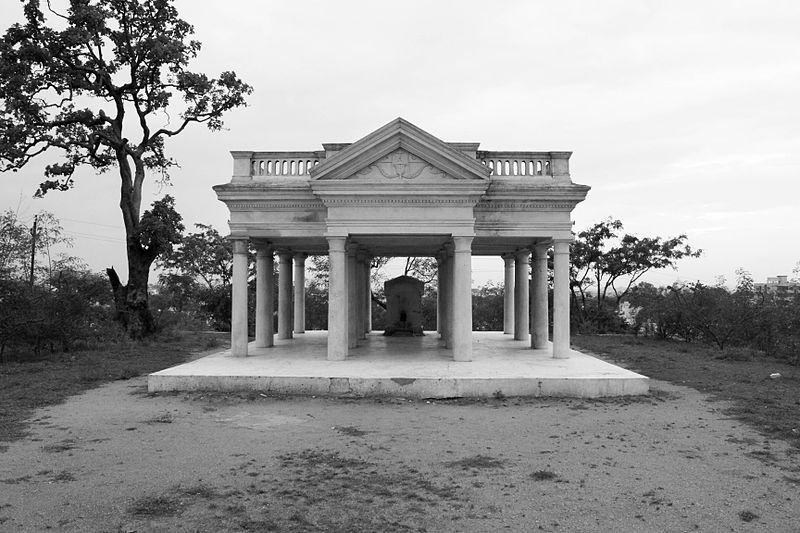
{"points": [[117, 459]]}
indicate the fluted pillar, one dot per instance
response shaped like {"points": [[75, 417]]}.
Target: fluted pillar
{"points": [[561, 339], [337, 299], [300, 293], [521, 265], [265, 299], [462, 299], [539, 318], [285, 321], [508, 294], [239, 299]]}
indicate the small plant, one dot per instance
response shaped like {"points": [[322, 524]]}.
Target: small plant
{"points": [[64, 476], [544, 475], [155, 506], [747, 516], [164, 418], [498, 395], [351, 431], [477, 461]]}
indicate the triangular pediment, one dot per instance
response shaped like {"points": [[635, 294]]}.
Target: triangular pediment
{"points": [[400, 151]]}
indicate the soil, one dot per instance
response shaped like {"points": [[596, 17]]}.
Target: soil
{"points": [[116, 458]]}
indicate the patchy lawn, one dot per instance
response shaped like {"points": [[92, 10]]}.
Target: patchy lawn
{"points": [[770, 404], [25, 386]]}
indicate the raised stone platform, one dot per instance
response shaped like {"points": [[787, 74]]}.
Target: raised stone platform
{"points": [[409, 367]]}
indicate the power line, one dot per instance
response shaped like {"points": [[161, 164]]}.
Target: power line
{"points": [[91, 223], [92, 236]]}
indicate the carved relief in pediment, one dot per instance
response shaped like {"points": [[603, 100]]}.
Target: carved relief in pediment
{"points": [[401, 165]]}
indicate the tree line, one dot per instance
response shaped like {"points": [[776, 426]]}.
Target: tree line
{"points": [[52, 301], [606, 297]]}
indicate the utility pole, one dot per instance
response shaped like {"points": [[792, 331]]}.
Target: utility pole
{"points": [[33, 246]]}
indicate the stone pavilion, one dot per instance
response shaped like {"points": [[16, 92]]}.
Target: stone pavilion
{"points": [[400, 191]]}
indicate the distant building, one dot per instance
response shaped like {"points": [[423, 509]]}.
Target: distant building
{"points": [[780, 286]]}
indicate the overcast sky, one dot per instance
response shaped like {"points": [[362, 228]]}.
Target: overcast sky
{"points": [[683, 116]]}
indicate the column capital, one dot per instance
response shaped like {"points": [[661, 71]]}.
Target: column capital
{"points": [[285, 255], [462, 245], [337, 243], [522, 254], [300, 256], [561, 246], [240, 245], [507, 257]]}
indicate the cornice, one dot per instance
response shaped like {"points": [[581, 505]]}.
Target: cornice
{"points": [[523, 205], [377, 201], [275, 205]]}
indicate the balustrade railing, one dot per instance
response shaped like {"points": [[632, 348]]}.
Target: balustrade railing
{"points": [[283, 163], [249, 165], [526, 163]]}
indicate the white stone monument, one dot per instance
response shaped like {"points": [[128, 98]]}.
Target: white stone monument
{"points": [[402, 192]]}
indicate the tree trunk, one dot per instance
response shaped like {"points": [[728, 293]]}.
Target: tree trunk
{"points": [[130, 301]]}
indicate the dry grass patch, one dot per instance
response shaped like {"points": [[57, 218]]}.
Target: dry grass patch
{"points": [[52, 378], [770, 405]]}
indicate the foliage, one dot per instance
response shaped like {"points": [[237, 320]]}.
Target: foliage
{"points": [[601, 260], [316, 305], [16, 245], [66, 304], [422, 268], [204, 256], [196, 278], [487, 307], [71, 309], [743, 318], [96, 84]]}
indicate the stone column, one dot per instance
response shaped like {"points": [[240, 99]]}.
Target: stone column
{"points": [[539, 318], [521, 286], [265, 298], [300, 293], [285, 321], [368, 297], [352, 297], [508, 295], [447, 296], [337, 299], [363, 295], [462, 299], [358, 292], [239, 299], [439, 299], [561, 299]]}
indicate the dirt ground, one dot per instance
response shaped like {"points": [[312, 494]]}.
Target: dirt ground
{"points": [[118, 459]]}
